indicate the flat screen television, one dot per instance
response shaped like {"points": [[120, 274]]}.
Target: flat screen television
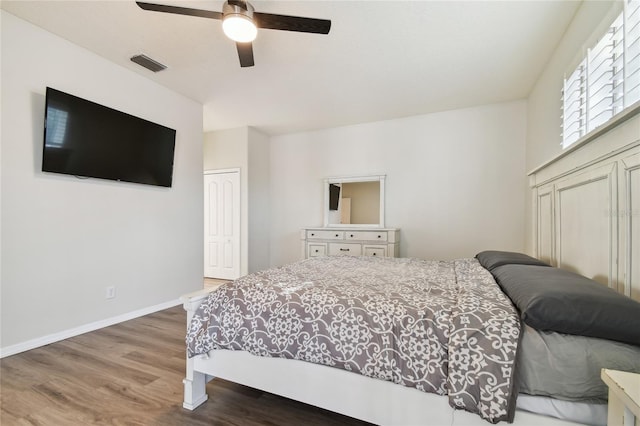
{"points": [[85, 139]]}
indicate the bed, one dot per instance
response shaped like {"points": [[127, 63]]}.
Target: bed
{"points": [[409, 341]]}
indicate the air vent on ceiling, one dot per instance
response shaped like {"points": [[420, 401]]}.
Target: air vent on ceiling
{"points": [[148, 63]]}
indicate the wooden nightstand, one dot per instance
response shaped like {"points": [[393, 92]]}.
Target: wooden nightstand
{"points": [[624, 397]]}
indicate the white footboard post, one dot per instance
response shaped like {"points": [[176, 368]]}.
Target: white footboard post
{"points": [[195, 389], [195, 392]]}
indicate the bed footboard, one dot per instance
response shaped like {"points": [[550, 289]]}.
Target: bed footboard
{"points": [[195, 382], [194, 389]]}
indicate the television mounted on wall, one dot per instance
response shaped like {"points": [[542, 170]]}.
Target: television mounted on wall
{"points": [[86, 139]]}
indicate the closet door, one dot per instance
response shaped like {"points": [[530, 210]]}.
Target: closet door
{"points": [[222, 225]]}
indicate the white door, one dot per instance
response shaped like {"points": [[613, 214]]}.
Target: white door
{"points": [[222, 225]]}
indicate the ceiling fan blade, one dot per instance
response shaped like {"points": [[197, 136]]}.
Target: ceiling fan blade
{"points": [[245, 53], [180, 10], [291, 23]]}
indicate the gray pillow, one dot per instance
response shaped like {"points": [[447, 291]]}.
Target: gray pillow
{"points": [[491, 259], [547, 364], [558, 300]]}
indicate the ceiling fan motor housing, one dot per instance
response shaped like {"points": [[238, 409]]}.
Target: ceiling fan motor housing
{"points": [[237, 8], [237, 21]]}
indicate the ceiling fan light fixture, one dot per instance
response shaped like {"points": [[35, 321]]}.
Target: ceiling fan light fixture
{"points": [[240, 23], [239, 28]]}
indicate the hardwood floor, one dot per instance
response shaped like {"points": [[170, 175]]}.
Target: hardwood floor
{"points": [[214, 282], [131, 374]]}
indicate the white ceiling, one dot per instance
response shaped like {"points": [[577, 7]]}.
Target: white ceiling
{"points": [[381, 60]]}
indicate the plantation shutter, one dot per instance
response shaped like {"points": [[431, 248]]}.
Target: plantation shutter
{"points": [[573, 106], [632, 52], [607, 81]]}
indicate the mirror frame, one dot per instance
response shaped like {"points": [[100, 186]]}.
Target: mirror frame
{"points": [[371, 178]]}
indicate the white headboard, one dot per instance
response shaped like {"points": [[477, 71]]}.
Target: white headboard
{"points": [[586, 206]]}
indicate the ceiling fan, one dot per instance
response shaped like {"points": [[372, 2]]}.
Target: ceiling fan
{"points": [[240, 23]]}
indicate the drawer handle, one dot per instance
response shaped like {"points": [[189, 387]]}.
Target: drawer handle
{"points": [[316, 250], [313, 235], [344, 249], [351, 235], [375, 254], [337, 235], [379, 236]]}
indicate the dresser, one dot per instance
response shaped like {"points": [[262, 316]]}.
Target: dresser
{"points": [[360, 241]]}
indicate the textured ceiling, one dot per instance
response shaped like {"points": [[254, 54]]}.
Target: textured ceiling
{"points": [[381, 60]]}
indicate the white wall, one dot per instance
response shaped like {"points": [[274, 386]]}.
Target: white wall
{"points": [[247, 149], [544, 103], [64, 240], [455, 180], [259, 200]]}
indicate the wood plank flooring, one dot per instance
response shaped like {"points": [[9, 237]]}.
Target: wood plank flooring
{"points": [[131, 374]]}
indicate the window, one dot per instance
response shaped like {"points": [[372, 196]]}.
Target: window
{"points": [[607, 81], [56, 127], [573, 104], [632, 53]]}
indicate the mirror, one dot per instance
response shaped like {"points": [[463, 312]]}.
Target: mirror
{"points": [[354, 201]]}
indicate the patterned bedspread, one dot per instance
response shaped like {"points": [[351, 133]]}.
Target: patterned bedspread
{"points": [[439, 326]]}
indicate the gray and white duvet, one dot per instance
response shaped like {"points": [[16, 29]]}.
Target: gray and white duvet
{"points": [[438, 326]]}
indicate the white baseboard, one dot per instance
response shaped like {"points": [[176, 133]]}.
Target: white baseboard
{"points": [[56, 337]]}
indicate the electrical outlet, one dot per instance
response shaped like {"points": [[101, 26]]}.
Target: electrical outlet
{"points": [[110, 292]]}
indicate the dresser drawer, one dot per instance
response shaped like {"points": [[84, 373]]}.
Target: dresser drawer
{"points": [[345, 249], [317, 250], [366, 236], [325, 235], [376, 251]]}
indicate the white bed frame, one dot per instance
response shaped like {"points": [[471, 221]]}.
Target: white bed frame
{"points": [[595, 183], [593, 186], [344, 392]]}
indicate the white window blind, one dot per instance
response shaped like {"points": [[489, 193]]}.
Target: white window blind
{"points": [[618, 59], [632, 53], [573, 103], [600, 79], [607, 81]]}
